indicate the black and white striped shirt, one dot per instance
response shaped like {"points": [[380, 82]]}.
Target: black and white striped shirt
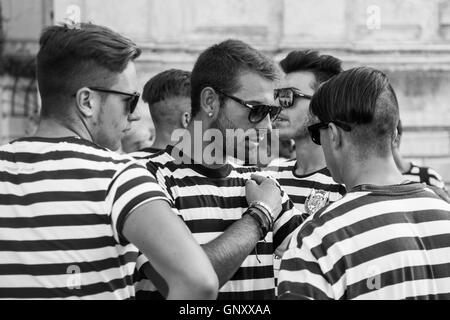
{"points": [[209, 201], [301, 188], [389, 242], [145, 153], [309, 193], [63, 202]]}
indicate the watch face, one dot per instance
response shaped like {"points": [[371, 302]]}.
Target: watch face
{"points": [[316, 200]]}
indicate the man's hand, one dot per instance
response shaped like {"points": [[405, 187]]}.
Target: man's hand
{"points": [[266, 190]]}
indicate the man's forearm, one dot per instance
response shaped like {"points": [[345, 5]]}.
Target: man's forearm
{"points": [[229, 250]]}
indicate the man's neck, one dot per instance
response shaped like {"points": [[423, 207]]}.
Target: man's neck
{"points": [[194, 134], [310, 157], [54, 128], [373, 171], [162, 139], [402, 165]]}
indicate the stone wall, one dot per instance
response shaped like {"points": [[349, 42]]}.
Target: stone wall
{"points": [[408, 39]]}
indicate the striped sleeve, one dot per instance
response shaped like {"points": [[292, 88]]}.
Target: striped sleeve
{"points": [[301, 275], [287, 222], [131, 187]]}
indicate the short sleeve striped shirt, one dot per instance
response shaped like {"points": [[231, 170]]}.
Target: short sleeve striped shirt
{"points": [[209, 201], [389, 242], [145, 153], [63, 202], [309, 193]]}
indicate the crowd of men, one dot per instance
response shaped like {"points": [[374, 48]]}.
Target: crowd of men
{"points": [[192, 217]]}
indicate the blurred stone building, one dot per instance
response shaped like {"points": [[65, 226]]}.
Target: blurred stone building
{"points": [[408, 39]]}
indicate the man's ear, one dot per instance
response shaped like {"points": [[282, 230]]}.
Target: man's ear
{"points": [[185, 119], [86, 102], [396, 141], [334, 135], [209, 102]]}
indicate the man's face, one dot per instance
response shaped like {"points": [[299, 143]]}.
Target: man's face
{"points": [[293, 122], [114, 119], [254, 89]]}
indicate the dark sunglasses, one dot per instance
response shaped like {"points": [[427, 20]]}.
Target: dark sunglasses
{"points": [[258, 112], [314, 130], [286, 96], [132, 101]]}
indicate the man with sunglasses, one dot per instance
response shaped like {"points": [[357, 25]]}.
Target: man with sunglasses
{"points": [[306, 179], [73, 212], [387, 238], [238, 225]]}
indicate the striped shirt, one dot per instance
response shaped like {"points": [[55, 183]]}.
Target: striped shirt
{"points": [[389, 242], [144, 153], [209, 201], [301, 188], [424, 175], [63, 203], [309, 193]]}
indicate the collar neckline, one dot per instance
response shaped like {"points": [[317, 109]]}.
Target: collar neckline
{"points": [[187, 162]]}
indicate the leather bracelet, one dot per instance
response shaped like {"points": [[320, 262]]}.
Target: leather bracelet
{"points": [[265, 209], [261, 218], [266, 219]]}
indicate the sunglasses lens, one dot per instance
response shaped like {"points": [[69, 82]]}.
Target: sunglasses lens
{"points": [[316, 137], [258, 113], [133, 103], [285, 97], [261, 111], [314, 132], [274, 113]]}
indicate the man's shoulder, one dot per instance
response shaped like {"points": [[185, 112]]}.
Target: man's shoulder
{"points": [[62, 149], [158, 159], [332, 216]]}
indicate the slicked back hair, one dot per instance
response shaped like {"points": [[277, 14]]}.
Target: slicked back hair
{"points": [[322, 66], [74, 57], [220, 66], [169, 83], [364, 98], [165, 85]]}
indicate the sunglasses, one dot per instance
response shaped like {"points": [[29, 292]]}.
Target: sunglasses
{"points": [[258, 112], [132, 101], [314, 130], [287, 96]]}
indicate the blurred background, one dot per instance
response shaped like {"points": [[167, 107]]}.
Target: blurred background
{"points": [[408, 39]]}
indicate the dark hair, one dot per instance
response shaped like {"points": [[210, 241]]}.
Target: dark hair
{"points": [[322, 66], [169, 83], [220, 65], [364, 98], [85, 55]]}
